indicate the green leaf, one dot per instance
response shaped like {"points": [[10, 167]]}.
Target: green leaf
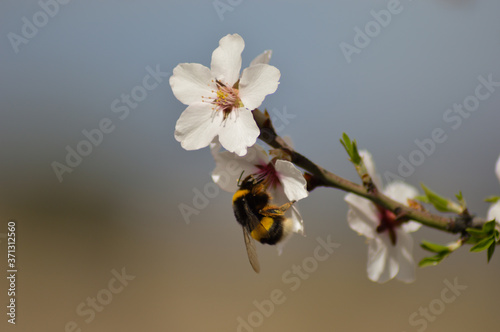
{"points": [[488, 231], [489, 226], [422, 199], [356, 158], [351, 148], [442, 252], [477, 233], [491, 250], [346, 142], [484, 238], [474, 231], [440, 203], [433, 247], [433, 260], [492, 199], [483, 244], [461, 200]]}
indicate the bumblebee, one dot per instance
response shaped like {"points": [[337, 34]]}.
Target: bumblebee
{"points": [[260, 221]]}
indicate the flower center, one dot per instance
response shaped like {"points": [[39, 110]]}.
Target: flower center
{"points": [[226, 98], [388, 222], [268, 175]]}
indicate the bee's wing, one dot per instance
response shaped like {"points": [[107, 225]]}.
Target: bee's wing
{"points": [[251, 251], [253, 223]]}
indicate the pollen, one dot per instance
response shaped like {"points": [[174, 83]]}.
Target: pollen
{"points": [[226, 99]]}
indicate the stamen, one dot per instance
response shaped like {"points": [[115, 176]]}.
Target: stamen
{"points": [[388, 222], [267, 175], [225, 99]]}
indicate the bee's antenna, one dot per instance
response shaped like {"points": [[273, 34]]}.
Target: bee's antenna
{"points": [[239, 179]]}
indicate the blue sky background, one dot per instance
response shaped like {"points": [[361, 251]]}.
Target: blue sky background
{"points": [[119, 207]]}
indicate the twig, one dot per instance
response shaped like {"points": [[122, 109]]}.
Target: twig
{"points": [[321, 177]]}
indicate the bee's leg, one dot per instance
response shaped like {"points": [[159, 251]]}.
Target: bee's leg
{"points": [[271, 211], [286, 206]]}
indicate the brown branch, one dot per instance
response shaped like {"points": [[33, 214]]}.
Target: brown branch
{"points": [[321, 177]]}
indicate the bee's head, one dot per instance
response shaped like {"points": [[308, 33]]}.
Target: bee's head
{"points": [[249, 182]]}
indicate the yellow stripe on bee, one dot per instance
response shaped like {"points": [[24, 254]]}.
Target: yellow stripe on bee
{"points": [[262, 230], [240, 193]]}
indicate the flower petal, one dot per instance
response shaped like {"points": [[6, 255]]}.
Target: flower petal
{"points": [[227, 171], [239, 131], [298, 222], [256, 155], [190, 82], [262, 58], [215, 147], [362, 216], [293, 182], [279, 198], [197, 126], [370, 167], [256, 83], [229, 166], [294, 217], [411, 226], [226, 59], [404, 250], [494, 212], [400, 192], [381, 267]]}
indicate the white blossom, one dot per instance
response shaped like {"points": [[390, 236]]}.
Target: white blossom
{"points": [[390, 245], [494, 210], [220, 101]]}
